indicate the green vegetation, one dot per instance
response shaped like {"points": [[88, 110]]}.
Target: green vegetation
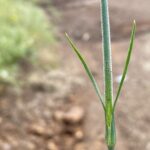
{"points": [[108, 101], [23, 29]]}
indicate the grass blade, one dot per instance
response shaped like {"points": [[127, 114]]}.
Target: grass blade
{"points": [[127, 63], [94, 83]]}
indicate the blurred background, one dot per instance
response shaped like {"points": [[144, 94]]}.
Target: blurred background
{"points": [[46, 99]]}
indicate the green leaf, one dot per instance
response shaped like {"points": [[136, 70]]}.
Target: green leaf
{"points": [[127, 63], [94, 83]]}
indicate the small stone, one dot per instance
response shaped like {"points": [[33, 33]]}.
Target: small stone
{"points": [[36, 82], [79, 135], [52, 146], [37, 129], [59, 115], [41, 130], [73, 115]]}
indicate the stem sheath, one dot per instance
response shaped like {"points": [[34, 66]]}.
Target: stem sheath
{"points": [[110, 135]]}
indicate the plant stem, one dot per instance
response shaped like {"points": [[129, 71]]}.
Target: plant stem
{"points": [[107, 60], [110, 148], [108, 81], [110, 135]]}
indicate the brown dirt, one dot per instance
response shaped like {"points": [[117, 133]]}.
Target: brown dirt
{"points": [[34, 116], [82, 19]]}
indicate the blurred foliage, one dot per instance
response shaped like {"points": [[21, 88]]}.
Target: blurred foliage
{"points": [[23, 29]]}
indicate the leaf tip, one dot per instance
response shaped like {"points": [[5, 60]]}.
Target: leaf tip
{"points": [[134, 24], [66, 34]]}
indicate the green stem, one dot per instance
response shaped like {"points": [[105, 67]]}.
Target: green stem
{"points": [[110, 148], [110, 136], [107, 60]]}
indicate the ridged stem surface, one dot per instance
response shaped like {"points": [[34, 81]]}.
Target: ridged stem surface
{"points": [[108, 79], [107, 60]]}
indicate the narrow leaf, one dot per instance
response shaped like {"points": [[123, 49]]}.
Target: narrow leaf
{"points": [[127, 63], [94, 83]]}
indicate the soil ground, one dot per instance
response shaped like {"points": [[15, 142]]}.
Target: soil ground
{"points": [[58, 109]]}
